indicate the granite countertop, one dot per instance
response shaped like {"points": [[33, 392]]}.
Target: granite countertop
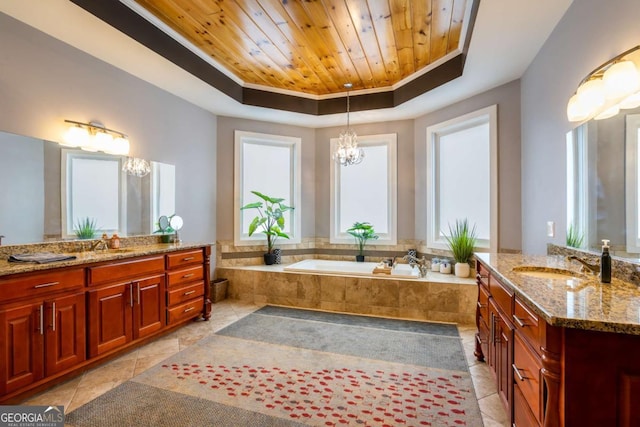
{"points": [[583, 303], [90, 257]]}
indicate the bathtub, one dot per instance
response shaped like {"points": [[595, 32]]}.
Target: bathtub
{"points": [[324, 266]]}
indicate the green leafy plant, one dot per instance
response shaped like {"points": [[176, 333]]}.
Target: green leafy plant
{"points": [[462, 240], [86, 228], [270, 218], [575, 238], [362, 231]]}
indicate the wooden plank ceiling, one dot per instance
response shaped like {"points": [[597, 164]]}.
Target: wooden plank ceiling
{"points": [[316, 46]]}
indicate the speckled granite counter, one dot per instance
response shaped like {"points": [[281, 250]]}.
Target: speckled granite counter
{"points": [[583, 303], [89, 257]]}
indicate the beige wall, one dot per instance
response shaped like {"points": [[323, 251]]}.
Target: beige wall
{"points": [[411, 166], [507, 97], [225, 197]]}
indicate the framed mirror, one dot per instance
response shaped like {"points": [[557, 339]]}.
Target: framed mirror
{"points": [[31, 193], [602, 185]]}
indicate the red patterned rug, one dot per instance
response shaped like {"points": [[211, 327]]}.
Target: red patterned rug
{"points": [[263, 381]]}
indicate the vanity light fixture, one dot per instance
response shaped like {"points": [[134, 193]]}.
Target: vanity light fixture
{"points": [[95, 136], [136, 167], [612, 86], [348, 153]]}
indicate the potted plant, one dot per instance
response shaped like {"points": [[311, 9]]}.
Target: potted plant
{"points": [[462, 241], [86, 228], [270, 219], [362, 231]]}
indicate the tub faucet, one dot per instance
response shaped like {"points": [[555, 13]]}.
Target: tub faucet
{"points": [[591, 268], [420, 262]]}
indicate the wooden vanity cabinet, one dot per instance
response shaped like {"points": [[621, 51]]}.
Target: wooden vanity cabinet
{"points": [[185, 285], [42, 317], [126, 302]]}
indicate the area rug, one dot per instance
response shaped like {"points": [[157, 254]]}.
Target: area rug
{"points": [[292, 367]]}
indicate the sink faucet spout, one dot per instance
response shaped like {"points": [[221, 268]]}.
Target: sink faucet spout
{"points": [[591, 268]]}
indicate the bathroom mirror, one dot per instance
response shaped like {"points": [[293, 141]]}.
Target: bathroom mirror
{"points": [[602, 183], [31, 192]]}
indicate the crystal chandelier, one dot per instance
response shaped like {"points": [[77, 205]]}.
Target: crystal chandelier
{"points": [[136, 167], [348, 153]]}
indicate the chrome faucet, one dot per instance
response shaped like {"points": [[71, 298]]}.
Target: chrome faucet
{"points": [[100, 244], [420, 262], [591, 268]]}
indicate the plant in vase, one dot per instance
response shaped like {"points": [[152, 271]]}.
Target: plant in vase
{"points": [[86, 228], [362, 231], [462, 240], [270, 219]]}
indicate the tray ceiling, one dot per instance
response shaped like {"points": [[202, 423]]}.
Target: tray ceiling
{"points": [[297, 55]]}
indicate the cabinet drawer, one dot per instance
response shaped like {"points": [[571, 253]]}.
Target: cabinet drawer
{"points": [[482, 275], [30, 285], [185, 275], [179, 259], [526, 375], [528, 324], [188, 310], [522, 416], [502, 296], [483, 302], [121, 270], [185, 293]]}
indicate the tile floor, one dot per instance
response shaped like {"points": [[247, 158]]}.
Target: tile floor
{"points": [[92, 384]]}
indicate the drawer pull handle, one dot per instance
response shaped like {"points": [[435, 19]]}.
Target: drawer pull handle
{"points": [[46, 285], [41, 319], [189, 258], [517, 372], [186, 310], [189, 293], [480, 276], [186, 276], [519, 321], [53, 316], [481, 305]]}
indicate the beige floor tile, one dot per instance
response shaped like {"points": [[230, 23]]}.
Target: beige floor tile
{"points": [[492, 407], [61, 394], [116, 371]]}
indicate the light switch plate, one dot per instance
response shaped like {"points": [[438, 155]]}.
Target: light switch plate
{"points": [[551, 229]]}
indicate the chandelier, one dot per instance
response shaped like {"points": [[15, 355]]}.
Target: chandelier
{"points": [[348, 153], [136, 167]]}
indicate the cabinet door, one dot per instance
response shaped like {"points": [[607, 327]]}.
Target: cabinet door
{"points": [[149, 308], [21, 345], [504, 360], [65, 343], [110, 317]]}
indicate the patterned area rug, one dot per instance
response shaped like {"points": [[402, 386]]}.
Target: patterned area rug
{"points": [[290, 367]]}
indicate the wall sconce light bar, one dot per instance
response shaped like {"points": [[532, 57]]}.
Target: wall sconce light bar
{"points": [[95, 136], [612, 86]]}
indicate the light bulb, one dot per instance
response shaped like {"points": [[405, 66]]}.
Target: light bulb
{"points": [[621, 79], [576, 111], [609, 112], [591, 95], [75, 136], [631, 101]]}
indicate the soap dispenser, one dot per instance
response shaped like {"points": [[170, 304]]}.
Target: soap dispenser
{"points": [[605, 263]]}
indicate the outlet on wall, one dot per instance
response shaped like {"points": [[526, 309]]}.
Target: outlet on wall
{"points": [[551, 229]]}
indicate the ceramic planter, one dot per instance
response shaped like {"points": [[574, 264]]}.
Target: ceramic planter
{"points": [[462, 269]]}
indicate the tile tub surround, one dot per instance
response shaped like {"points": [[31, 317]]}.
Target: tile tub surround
{"points": [[438, 297], [590, 305]]}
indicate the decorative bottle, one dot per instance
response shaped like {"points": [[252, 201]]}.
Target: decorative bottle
{"points": [[605, 263]]}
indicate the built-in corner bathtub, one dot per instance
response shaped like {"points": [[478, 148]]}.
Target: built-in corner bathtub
{"points": [[324, 266]]}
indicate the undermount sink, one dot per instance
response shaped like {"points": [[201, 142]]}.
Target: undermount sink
{"points": [[119, 251], [548, 273]]}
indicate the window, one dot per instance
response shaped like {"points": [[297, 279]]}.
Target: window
{"points": [[93, 186], [633, 182], [366, 192], [269, 164], [462, 177], [578, 199]]}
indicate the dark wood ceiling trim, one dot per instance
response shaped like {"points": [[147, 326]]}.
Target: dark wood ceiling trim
{"points": [[119, 16]]}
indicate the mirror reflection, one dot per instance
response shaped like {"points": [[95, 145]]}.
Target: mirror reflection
{"points": [[40, 190], [602, 185]]}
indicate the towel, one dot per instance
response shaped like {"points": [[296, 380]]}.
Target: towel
{"points": [[40, 257]]}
